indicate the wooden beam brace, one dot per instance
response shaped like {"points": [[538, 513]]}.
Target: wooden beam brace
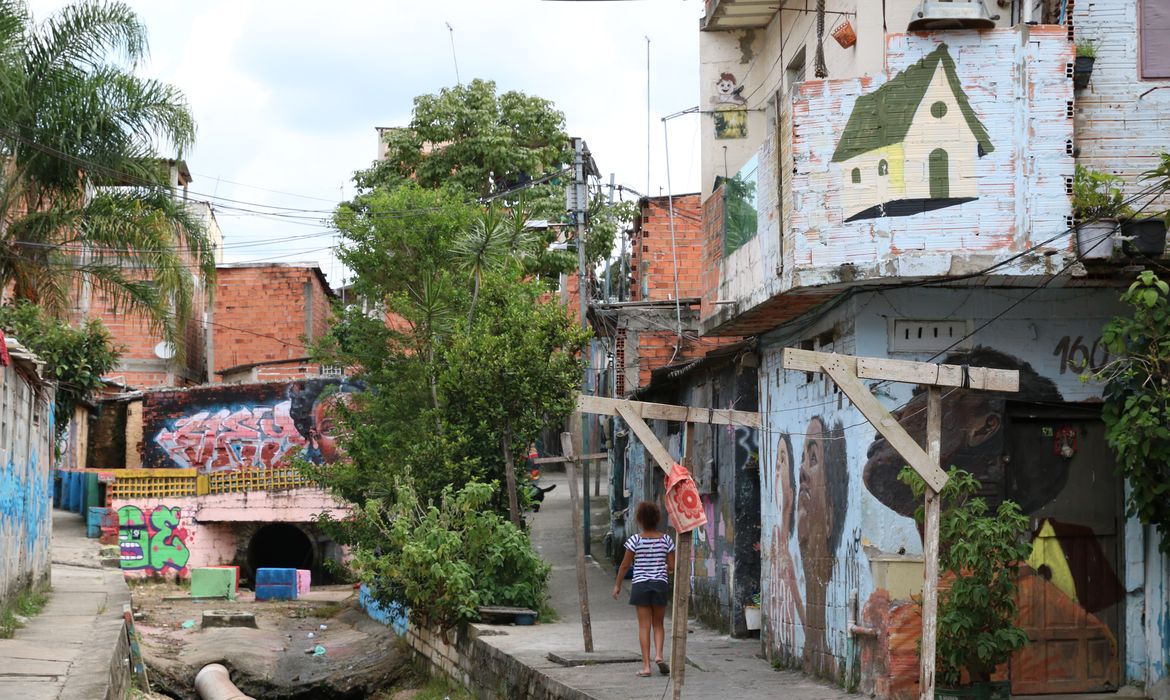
{"points": [[647, 437], [983, 378], [837, 368], [662, 411], [582, 458]]}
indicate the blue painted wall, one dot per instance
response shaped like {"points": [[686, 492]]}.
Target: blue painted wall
{"points": [[26, 428]]}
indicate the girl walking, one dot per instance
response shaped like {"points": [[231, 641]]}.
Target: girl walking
{"points": [[651, 553]]}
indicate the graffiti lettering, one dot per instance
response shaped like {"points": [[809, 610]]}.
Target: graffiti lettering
{"points": [[1075, 356], [153, 542], [226, 440]]}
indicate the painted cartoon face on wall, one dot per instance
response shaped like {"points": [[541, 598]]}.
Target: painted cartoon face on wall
{"points": [[726, 91], [133, 539]]}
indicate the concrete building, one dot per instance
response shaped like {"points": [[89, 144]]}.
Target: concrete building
{"points": [[911, 193], [26, 463]]}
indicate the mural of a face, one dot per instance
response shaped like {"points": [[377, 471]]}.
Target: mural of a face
{"points": [[972, 436], [323, 427], [784, 482], [812, 514]]}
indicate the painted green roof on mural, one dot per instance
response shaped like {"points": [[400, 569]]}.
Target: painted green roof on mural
{"points": [[883, 117]]}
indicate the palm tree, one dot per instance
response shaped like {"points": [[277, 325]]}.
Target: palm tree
{"points": [[84, 190]]}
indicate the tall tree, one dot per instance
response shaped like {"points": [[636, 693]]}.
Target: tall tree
{"points": [[84, 186]]}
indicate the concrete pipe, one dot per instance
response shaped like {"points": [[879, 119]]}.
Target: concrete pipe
{"points": [[214, 683]]}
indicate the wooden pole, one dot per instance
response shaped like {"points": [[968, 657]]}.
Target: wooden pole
{"points": [[678, 629], [930, 546], [582, 584]]}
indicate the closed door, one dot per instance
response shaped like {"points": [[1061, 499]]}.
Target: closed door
{"points": [[1061, 471], [940, 177]]}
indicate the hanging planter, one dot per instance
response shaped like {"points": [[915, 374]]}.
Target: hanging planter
{"points": [[844, 34], [1083, 67], [1146, 237]]}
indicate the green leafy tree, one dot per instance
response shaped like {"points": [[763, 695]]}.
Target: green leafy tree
{"points": [[76, 358], [83, 188], [1137, 400], [471, 136], [512, 373], [980, 551]]}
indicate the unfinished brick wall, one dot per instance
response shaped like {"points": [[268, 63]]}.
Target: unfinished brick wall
{"points": [[652, 259], [264, 312]]}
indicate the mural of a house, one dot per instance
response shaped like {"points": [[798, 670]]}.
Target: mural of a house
{"points": [[911, 145]]}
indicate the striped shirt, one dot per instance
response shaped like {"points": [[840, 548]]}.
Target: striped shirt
{"points": [[650, 556]]}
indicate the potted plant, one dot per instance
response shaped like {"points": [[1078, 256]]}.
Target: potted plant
{"points": [[979, 555], [1147, 236], [1097, 203], [751, 613], [1083, 66]]}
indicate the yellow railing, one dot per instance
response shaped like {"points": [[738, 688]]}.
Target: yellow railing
{"points": [[154, 483], [170, 483], [275, 479]]}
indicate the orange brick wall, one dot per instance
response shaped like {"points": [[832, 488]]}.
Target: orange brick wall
{"points": [[140, 366], [260, 313], [651, 259]]}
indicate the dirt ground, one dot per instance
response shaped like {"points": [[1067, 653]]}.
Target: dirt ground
{"points": [[361, 657]]}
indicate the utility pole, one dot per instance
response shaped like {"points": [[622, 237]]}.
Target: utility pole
{"points": [[579, 201]]}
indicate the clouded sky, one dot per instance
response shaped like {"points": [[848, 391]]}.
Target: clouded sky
{"points": [[287, 94]]}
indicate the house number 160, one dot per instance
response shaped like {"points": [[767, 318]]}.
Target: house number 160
{"points": [[1075, 356]]}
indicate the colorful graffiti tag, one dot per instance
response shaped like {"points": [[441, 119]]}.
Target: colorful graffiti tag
{"points": [[242, 426], [152, 541], [232, 439]]}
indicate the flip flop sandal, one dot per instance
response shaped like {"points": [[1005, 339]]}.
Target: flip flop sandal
{"points": [[643, 674], [663, 668]]}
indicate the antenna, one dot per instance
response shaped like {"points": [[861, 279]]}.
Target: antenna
{"points": [[647, 113], [451, 31]]}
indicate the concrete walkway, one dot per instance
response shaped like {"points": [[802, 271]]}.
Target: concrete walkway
{"points": [[720, 667], [66, 651]]}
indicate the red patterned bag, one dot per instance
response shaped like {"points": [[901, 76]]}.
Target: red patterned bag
{"points": [[683, 504]]}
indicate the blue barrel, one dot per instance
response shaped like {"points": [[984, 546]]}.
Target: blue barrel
{"points": [[56, 488], [93, 522], [276, 584], [76, 492]]}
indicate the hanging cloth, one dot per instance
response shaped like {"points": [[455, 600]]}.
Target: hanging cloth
{"points": [[683, 504]]}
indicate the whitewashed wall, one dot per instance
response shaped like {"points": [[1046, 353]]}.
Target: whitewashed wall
{"points": [[26, 453], [1122, 120]]}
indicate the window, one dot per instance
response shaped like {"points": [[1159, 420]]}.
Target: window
{"points": [[939, 109], [1154, 39], [856, 176], [794, 74], [883, 167]]}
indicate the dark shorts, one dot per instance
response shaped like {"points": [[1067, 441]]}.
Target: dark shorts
{"points": [[655, 593]]}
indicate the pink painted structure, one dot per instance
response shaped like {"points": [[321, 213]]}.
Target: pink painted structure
{"points": [[170, 535]]}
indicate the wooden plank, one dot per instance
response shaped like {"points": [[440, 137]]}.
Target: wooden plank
{"points": [[647, 437], [579, 542], [661, 411], [930, 547], [557, 459], [885, 423], [984, 378], [679, 622]]}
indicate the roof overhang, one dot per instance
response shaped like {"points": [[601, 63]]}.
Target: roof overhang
{"points": [[725, 15]]}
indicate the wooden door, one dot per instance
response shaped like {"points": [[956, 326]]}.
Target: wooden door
{"points": [[1061, 471]]}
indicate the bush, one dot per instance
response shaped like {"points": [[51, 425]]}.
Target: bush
{"points": [[445, 561], [981, 551]]}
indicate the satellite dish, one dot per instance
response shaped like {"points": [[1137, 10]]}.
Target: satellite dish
{"points": [[164, 350]]}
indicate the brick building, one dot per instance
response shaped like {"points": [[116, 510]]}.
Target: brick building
{"points": [[658, 327], [148, 361], [264, 315]]}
